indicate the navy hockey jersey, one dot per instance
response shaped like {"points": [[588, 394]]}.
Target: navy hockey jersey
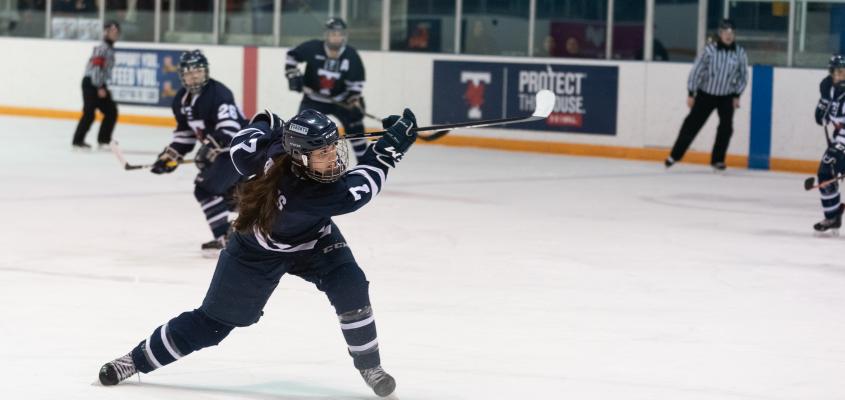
{"points": [[831, 107], [337, 78], [306, 207], [212, 115]]}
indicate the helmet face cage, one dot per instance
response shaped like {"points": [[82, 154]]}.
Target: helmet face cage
{"points": [[189, 62], [337, 167]]}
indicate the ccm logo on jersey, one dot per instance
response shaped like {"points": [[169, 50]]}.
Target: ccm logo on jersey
{"points": [[298, 128]]}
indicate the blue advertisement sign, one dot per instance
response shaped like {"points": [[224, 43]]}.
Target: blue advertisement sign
{"points": [[586, 95], [145, 77]]}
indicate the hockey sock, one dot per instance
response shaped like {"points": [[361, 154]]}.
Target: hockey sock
{"points": [[830, 201], [189, 332], [359, 330], [216, 211]]}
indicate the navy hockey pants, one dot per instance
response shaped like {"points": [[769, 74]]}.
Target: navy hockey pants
{"points": [[831, 165], [214, 189], [352, 120], [245, 277]]}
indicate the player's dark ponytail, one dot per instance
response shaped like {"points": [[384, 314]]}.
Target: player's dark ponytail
{"points": [[257, 198]]}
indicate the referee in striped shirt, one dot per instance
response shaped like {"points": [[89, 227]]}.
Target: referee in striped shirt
{"points": [[95, 94], [717, 79]]}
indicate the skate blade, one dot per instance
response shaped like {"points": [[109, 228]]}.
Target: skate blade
{"points": [[830, 233], [211, 254]]}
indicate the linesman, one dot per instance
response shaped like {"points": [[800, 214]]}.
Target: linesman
{"points": [[95, 94], [716, 81]]}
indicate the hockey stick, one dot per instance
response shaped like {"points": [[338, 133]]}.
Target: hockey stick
{"points": [[428, 138], [827, 135], [810, 183], [115, 149], [309, 91], [543, 106]]}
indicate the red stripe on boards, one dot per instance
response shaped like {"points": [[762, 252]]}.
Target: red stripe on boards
{"points": [[250, 81]]}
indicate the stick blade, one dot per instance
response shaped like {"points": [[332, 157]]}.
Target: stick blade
{"points": [[544, 104], [434, 136], [809, 183]]}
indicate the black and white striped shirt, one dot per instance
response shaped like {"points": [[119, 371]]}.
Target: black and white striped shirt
{"points": [[719, 71], [100, 64]]}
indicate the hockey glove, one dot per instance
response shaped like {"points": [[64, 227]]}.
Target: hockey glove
{"points": [[295, 81], [398, 138], [272, 120], [167, 161], [207, 154], [352, 100], [821, 111]]}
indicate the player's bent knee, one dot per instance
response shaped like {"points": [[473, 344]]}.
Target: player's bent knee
{"points": [[357, 314], [201, 194], [349, 289]]}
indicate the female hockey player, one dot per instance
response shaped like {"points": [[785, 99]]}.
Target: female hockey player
{"points": [[831, 111], [299, 181]]}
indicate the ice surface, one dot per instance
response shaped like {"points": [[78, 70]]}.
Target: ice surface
{"points": [[494, 275]]}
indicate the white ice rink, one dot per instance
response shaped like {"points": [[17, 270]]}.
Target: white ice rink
{"points": [[494, 275]]}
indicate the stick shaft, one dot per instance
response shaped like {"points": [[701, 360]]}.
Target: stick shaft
{"points": [[464, 125], [115, 149], [828, 182]]}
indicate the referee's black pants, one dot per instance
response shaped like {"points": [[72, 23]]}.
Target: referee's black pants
{"points": [[92, 102], [701, 110]]}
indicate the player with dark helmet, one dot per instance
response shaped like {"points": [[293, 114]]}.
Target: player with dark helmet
{"points": [[830, 111], [205, 112], [193, 71], [333, 80], [309, 137], [299, 181], [336, 35], [836, 61]]}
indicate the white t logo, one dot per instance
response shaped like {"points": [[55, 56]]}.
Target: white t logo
{"points": [[356, 189]]}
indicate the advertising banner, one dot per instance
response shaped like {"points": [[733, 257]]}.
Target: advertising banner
{"points": [[586, 95], [145, 77]]}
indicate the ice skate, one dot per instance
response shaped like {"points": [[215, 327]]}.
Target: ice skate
{"points": [[718, 166], [668, 162], [83, 147], [830, 226], [117, 370], [381, 382], [104, 147], [211, 249]]}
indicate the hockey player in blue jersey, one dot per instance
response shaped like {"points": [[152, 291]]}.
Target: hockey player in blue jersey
{"points": [[299, 182], [333, 79], [831, 111], [205, 111]]}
